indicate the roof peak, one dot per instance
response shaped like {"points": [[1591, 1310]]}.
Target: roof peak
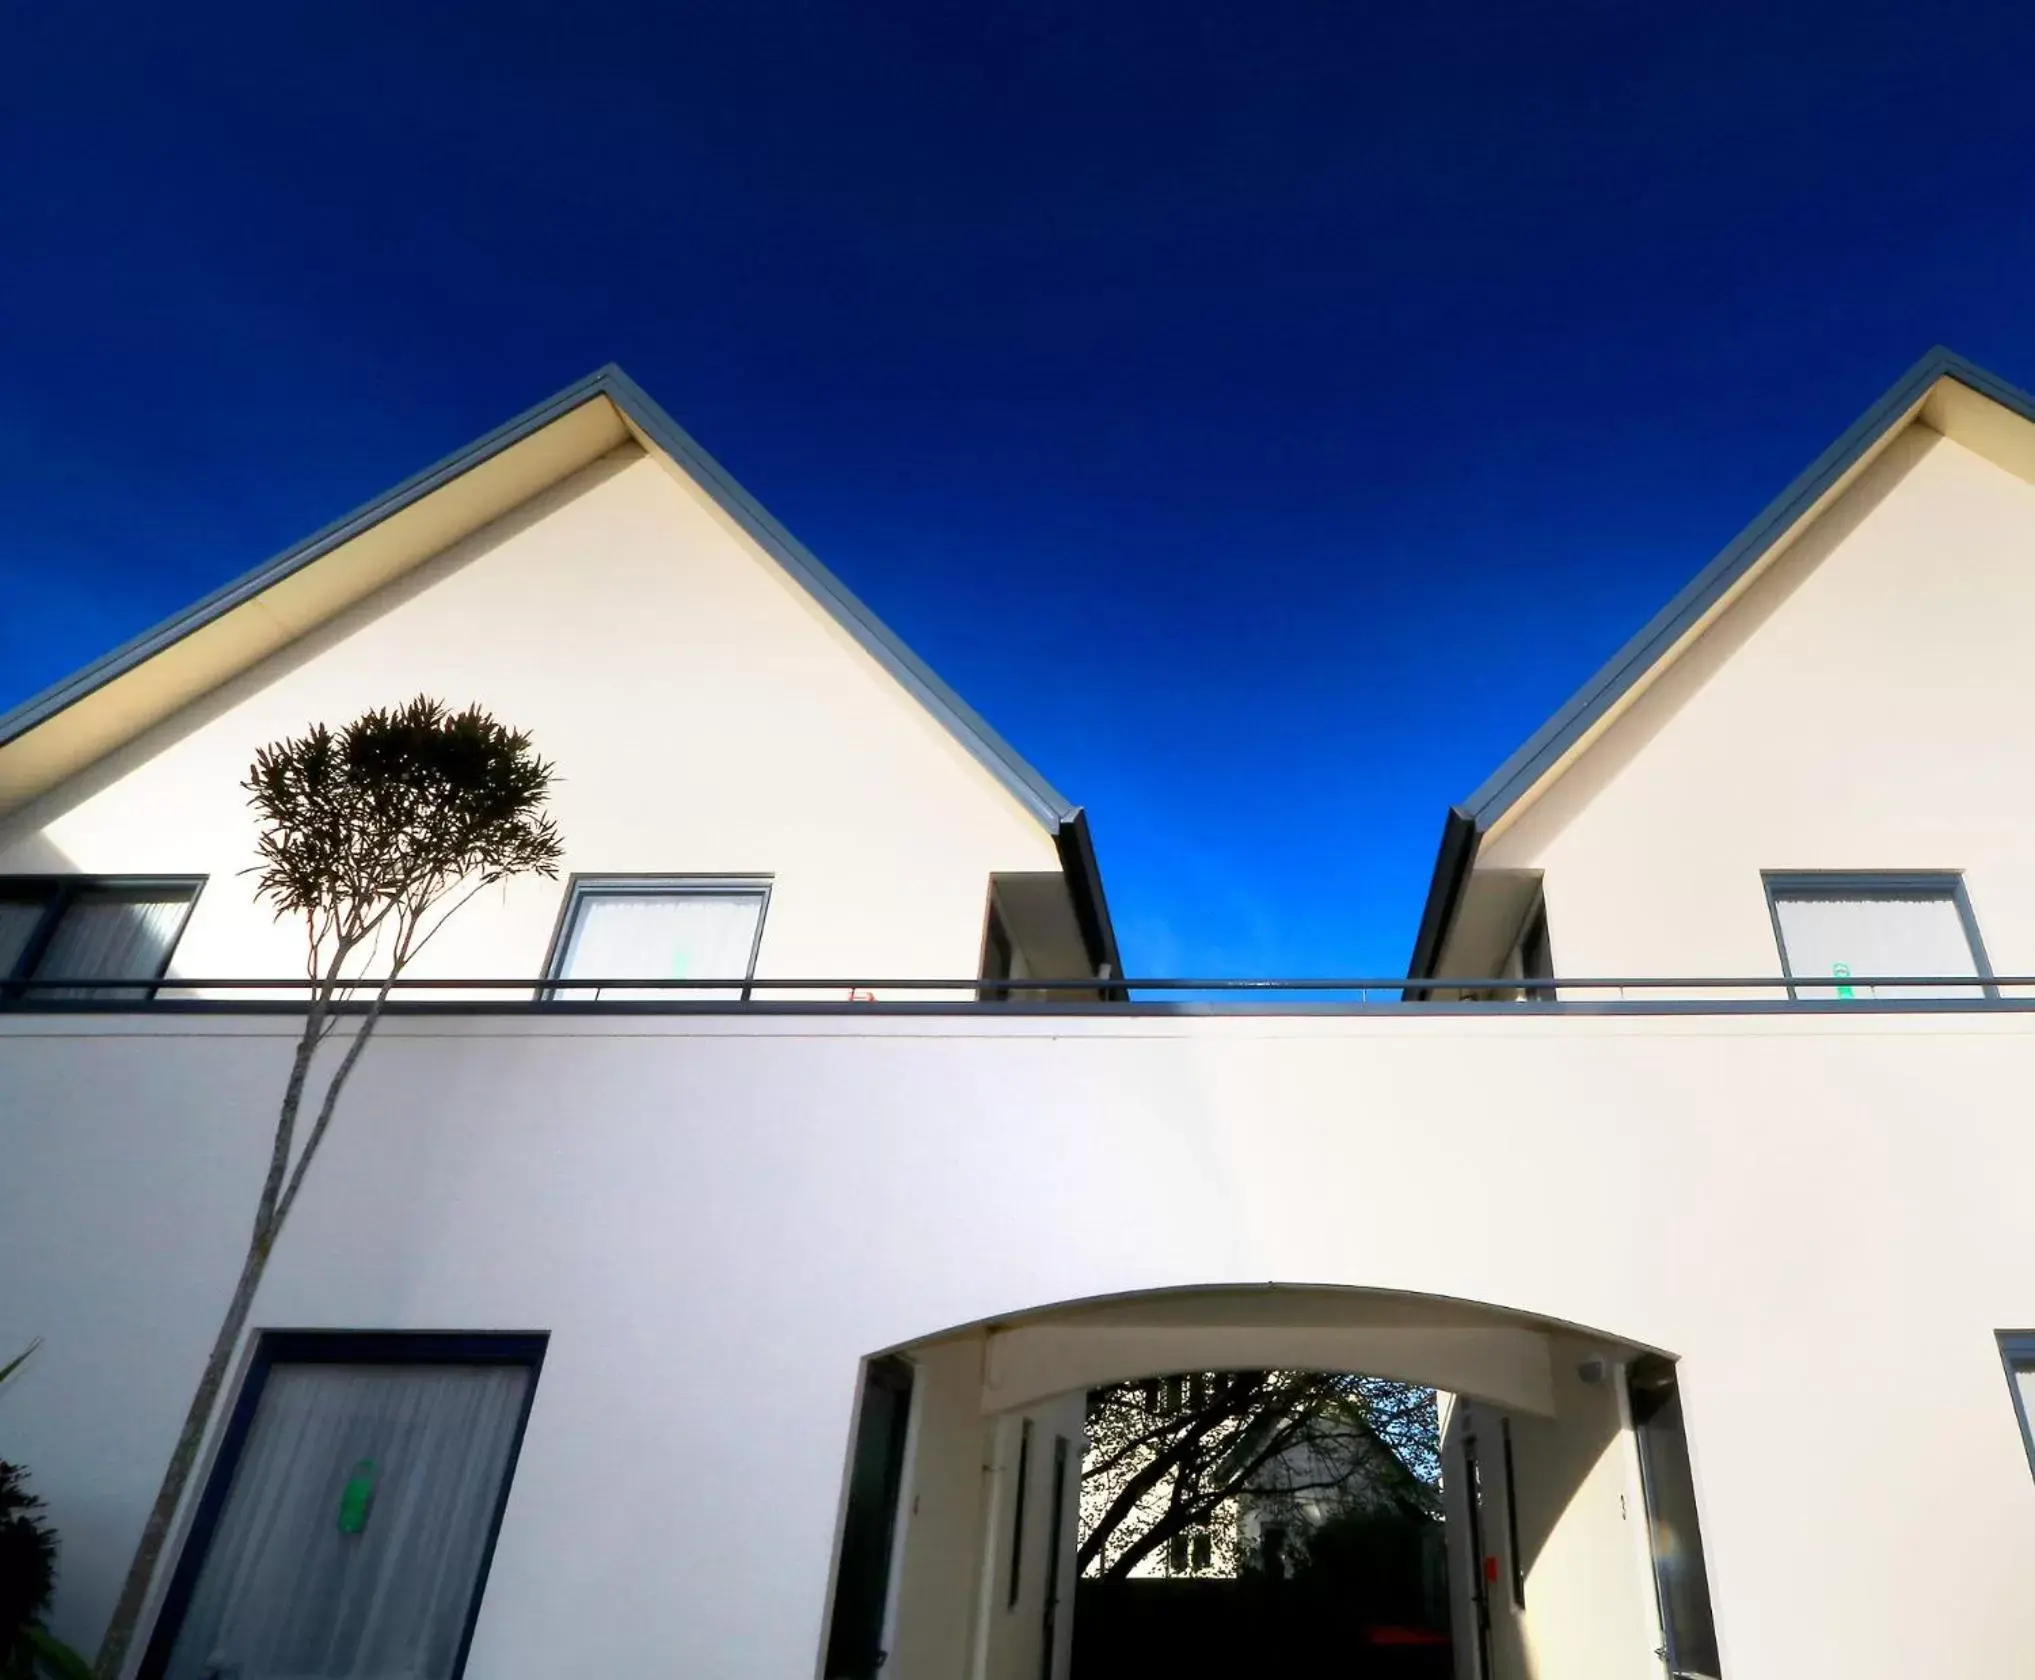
{"points": [[641, 415], [1545, 750]]}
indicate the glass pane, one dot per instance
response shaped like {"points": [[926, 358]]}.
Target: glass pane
{"points": [[1852, 936], [350, 1545], [679, 935], [18, 918], [110, 935], [869, 1526], [1681, 1578]]}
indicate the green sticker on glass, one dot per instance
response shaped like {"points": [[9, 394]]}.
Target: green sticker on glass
{"points": [[356, 1497], [1842, 971]]}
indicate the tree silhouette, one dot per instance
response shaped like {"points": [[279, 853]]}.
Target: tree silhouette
{"points": [[374, 838]]}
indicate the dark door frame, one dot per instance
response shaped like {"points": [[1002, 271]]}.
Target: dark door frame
{"points": [[340, 1347]]}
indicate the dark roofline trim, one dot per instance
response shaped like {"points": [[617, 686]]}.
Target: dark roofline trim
{"points": [[1544, 748], [967, 726], [988, 748], [1452, 860], [1091, 909], [67, 692]]}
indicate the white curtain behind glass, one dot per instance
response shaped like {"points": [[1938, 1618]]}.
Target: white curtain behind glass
{"points": [[286, 1592], [1848, 935], [104, 936], [662, 936]]}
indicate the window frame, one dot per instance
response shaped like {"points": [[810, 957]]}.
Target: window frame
{"points": [[998, 956], [342, 1347], [1665, 1463], [1533, 951], [580, 887], [57, 893], [1882, 883], [1514, 1555], [1017, 1518]]}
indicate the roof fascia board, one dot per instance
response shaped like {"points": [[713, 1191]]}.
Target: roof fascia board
{"points": [[640, 413], [1076, 847], [1522, 773], [1452, 861], [1031, 789], [1632, 663], [244, 588]]}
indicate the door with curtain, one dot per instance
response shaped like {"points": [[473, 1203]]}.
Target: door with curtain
{"points": [[347, 1529]]}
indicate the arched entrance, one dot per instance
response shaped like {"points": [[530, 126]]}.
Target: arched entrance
{"points": [[959, 1529]]}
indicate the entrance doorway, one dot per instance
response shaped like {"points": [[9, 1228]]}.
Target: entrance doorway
{"points": [[1494, 1502]]}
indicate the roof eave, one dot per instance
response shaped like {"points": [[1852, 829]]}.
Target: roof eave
{"points": [[1469, 821], [69, 690], [1024, 783]]}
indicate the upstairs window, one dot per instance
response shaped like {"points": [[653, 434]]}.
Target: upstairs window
{"points": [[656, 928], [1842, 931], [76, 927]]}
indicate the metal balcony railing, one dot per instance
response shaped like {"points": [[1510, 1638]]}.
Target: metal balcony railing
{"points": [[1326, 994]]}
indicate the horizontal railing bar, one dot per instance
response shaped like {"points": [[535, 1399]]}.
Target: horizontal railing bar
{"points": [[1539, 987]]}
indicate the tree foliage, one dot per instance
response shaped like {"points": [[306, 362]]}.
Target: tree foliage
{"points": [[28, 1562], [366, 834], [28, 1572], [1167, 1457], [373, 837]]}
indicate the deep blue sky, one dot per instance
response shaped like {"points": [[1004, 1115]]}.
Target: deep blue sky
{"points": [[1265, 414]]}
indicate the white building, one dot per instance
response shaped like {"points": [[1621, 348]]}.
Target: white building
{"points": [[1213, 1474], [618, 1278]]}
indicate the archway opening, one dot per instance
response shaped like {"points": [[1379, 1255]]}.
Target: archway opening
{"points": [[1247, 1521], [969, 1535]]}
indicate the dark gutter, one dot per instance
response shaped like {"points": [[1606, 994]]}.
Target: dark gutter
{"points": [[1452, 862], [1513, 779], [1076, 847]]}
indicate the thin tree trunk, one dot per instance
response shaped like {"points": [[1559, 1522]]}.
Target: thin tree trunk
{"points": [[133, 1592], [184, 1457], [362, 1034]]}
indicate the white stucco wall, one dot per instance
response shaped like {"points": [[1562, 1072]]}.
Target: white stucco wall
{"points": [[939, 1587], [1581, 1520], [1821, 1213], [1864, 706], [951, 1607], [704, 715], [1012, 1634]]}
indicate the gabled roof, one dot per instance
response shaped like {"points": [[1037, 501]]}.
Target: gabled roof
{"points": [[655, 429], [1951, 394], [116, 697]]}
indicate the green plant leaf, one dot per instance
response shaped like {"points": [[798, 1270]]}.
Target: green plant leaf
{"points": [[56, 1659]]}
